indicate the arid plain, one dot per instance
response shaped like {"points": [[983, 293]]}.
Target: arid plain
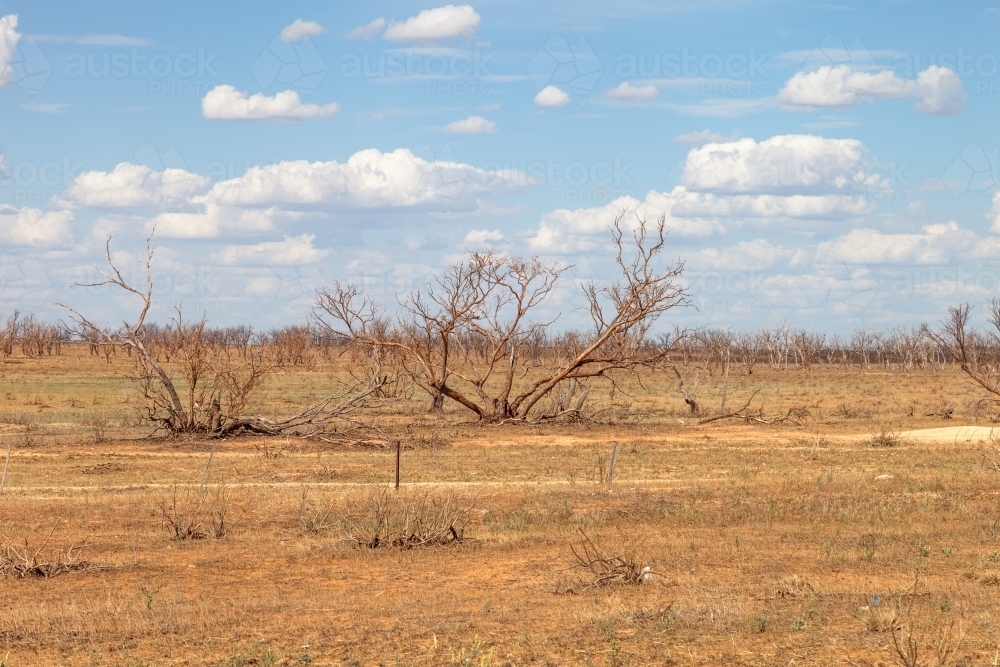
{"points": [[822, 532]]}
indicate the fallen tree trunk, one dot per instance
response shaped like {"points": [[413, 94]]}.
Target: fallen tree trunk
{"points": [[314, 420]]}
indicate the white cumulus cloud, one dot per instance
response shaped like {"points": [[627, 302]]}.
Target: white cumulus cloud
{"points": [[471, 125], [708, 205], [784, 164], [299, 30], [226, 103], [565, 230], [369, 178], [477, 236], [439, 23], [34, 227], [134, 186], [550, 96], [626, 92], [291, 251], [936, 245], [213, 220], [368, 30], [938, 90], [791, 180], [266, 196], [8, 47]]}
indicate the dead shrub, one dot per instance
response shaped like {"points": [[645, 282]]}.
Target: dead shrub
{"points": [[388, 519], [314, 517], [195, 515], [22, 562], [606, 569], [885, 436], [99, 426]]}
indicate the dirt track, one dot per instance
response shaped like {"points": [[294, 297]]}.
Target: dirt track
{"points": [[953, 434]]}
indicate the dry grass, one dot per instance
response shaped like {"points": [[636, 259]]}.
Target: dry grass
{"points": [[768, 542]]}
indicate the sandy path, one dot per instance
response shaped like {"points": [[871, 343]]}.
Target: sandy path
{"points": [[26, 491], [953, 434]]}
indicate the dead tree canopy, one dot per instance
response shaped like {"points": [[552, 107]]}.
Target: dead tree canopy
{"points": [[974, 351], [468, 334]]}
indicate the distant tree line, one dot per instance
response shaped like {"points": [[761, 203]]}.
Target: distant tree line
{"points": [[783, 346]]}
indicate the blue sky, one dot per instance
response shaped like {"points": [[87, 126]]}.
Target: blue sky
{"points": [[830, 164]]}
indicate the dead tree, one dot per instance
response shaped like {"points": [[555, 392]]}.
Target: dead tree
{"points": [[192, 380], [688, 395], [748, 347], [807, 347], [978, 355], [10, 334], [468, 334], [164, 404]]}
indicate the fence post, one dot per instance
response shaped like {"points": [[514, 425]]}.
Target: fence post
{"points": [[399, 444], [611, 466], [3, 480]]}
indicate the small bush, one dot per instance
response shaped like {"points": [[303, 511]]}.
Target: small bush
{"points": [[885, 436], [22, 562], [314, 517], [391, 519], [607, 569], [196, 515]]}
